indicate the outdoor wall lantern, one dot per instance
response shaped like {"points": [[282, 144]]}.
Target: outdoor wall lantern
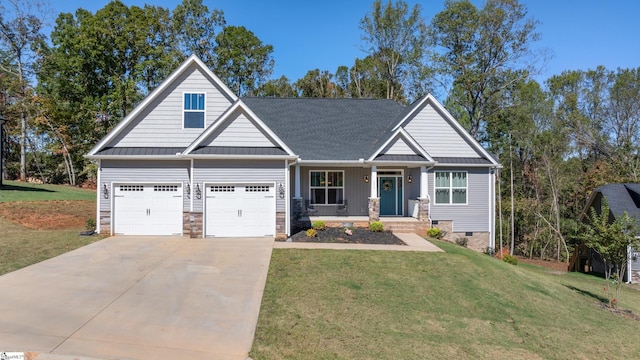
{"points": [[409, 179], [188, 189], [105, 191], [366, 178], [281, 191], [198, 192]]}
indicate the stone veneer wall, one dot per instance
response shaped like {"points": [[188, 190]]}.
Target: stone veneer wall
{"points": [[281, 225], [479, 241], [374, 209], [192, 224], [105, 222]]}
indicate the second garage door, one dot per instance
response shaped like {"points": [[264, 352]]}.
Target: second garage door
{"points": [[240, 210]]}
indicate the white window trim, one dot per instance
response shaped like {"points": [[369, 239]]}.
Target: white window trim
{"points": [[450, 187], [204, 111], [327, 187]]}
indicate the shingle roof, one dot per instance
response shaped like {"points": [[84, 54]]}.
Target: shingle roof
{"points": [[621, 198], [328, 129], [141, 151], [236, 150]]}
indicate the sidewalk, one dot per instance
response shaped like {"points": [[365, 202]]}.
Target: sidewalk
{"points": [[413, 241]]}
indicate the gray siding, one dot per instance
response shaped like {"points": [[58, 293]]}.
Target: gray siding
{"points": [[437, 136], [239, 131], [160, 124], [471, 217], [356, 191], [399, 147], [239, 171], [139, 171]]}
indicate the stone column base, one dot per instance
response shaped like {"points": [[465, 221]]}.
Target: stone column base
{"points": [[374, 209]]}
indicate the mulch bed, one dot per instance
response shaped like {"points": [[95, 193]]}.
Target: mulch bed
{"points": [[360, 236]]}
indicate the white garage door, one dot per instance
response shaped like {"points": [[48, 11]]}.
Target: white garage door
{"points": [[240, 210], [147, 209]]}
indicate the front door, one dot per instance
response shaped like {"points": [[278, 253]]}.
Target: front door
{"points": [[390, 189]]}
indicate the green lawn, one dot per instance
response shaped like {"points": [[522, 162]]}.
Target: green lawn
{"points": [[21, 246], [460, 304], [19, 191]]}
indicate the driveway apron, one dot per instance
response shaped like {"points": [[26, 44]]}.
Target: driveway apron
{"points": [[139, 298]]}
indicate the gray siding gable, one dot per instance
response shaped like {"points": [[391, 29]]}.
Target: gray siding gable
{"points": [[160, 123], [238, 130]]}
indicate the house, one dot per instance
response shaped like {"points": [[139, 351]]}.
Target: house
{"points": [[194, 159], [620, 198]]}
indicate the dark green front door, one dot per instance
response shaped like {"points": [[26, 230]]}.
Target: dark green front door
{"points": [[390, 189]]}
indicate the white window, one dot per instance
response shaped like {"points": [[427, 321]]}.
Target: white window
{"points": [[326, 187], [451, 187], [194, 110]]}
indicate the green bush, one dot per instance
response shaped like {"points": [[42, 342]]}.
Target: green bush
{"points": [[312, 233], [90, 224], [376, 226], [510, 259], [318, 225], [435, 233], [490, 251], [462, 241]]}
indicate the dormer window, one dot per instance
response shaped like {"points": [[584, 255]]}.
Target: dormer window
{"points": [[194, 110]]}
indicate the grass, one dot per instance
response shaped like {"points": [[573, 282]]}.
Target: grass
{"points": [[460, 304], [20, 246], [19, 191], [38, 222]]}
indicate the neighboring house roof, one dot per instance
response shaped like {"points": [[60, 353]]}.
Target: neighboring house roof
{"points": [[328, 129], [620, 197]]}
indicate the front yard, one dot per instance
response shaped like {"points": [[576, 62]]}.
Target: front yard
{"points": [[460, 304]]}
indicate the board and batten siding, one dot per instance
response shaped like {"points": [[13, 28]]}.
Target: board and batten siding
{"points": [[430, 129], [143, 172], [239, 172], [471, 217], [239, 131], [356, 191], [160, 124]]}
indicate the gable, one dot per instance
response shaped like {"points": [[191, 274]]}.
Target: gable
{"points": [[238, 131], [398, 147], [433, 132]]}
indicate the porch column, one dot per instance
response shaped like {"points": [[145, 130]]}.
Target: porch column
{"points": [[298, 204], [374, 202], [424, 206], [296, 192]]}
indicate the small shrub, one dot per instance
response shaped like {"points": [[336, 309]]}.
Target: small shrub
{"points": [[510, 259], [312, 233], [435, 233], [318, 225], [90, 224], [462, 241], [376, 226], [490, 251]]}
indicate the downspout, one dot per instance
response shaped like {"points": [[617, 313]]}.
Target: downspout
{"points": [[98, 192], [287, 200]]}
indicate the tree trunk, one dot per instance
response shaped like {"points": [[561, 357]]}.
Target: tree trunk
{"points": [[23, 125]]}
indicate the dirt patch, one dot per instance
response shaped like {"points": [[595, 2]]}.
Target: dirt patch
{"points": [[549, 264], [49, 215], [620, 312], [358, 236]]}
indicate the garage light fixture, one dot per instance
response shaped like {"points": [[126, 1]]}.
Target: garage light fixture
{"points": [[105, 191], [198, 192], [188, 189], [281, 191]]}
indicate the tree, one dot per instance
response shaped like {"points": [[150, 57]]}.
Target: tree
{"points": [[612, 237], [195, 29], [242, 61], [366, 79], [482, 52], [20, 30], [316, 84], [280, 87], [395, 37]]}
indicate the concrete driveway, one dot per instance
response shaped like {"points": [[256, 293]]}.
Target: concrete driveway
{"points": [[138, 298]]}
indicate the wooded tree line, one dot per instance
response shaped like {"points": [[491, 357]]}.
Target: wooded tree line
{"points": [[560, 139]]}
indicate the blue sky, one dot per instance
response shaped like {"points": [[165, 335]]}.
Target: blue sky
{"points": [[581, 34]]}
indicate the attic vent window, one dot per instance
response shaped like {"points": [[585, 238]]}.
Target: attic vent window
{"points": [[194, 110]]}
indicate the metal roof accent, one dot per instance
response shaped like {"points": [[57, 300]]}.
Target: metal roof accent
{"points": [[462, 160], [401, 158], [236, 150], [140, 151]]}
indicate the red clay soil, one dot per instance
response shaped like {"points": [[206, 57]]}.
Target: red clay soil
{"points": [[49, 215]]}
